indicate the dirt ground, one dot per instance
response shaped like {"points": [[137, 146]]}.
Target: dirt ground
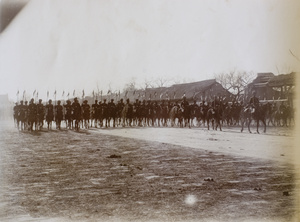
{"points": [[148, 174]]}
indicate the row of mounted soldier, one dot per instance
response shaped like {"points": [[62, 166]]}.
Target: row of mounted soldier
{"points": [[144, 113]]}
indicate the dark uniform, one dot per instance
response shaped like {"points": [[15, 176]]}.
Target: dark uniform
{"points": [[40, 114], [32, 113], [194, 109], [86, 113], [99, 113], [22, 114], [184, 104], [68, 113], [120, 106], [58, 114], [111, 106], [254, 101], [25, 109], [95, 112], [16, 113], [49, 114], [76, 113]]}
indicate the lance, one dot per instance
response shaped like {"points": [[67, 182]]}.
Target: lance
{"points": [[37, 97], [68, 95], [33, 94], [108, 94], [55, 106], [55, 97], [101, 95], [63, 96], [18, 96], [47, 97]]}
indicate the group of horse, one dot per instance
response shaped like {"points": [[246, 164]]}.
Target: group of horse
{"points": [[169, 114]]}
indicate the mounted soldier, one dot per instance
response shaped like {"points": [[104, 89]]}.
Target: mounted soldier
{"points": [[49, 114], [76, 113], [25, 109], [186, 112], [105, 114], [32, 113], [99, 114], [254, 102], [40, 114], [21, 115], [112, 111], [94, 113], [86, 113], [135, 114], [68, 114], [164, 113], [58, 114], [149, 113], [16, 114], [119, 108]]}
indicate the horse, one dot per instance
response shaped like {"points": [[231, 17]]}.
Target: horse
{"points": [[164, 114], [214, 114], [186, 116], [245, 116], [126, 114], [258, 114], [176, 113], [32, 116], [112, 113]]}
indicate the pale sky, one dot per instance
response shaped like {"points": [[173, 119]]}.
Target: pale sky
{"points": [[75, 44]]}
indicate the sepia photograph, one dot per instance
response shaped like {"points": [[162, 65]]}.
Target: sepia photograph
{"points": [[149, 110]]}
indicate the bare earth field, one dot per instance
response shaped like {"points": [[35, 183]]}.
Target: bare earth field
{"points": [[148, 174]]}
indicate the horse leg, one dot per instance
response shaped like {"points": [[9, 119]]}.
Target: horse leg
{"points": [[265, 125], [257, 125], [208, 124], [249, 122], [242, 122]]}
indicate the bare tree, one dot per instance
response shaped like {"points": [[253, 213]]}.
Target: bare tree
{"points": [[130, 86], [235, 81], [162, 82], [148, 83]]}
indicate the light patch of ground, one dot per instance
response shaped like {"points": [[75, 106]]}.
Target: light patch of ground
{"points": [[277, 144]]}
